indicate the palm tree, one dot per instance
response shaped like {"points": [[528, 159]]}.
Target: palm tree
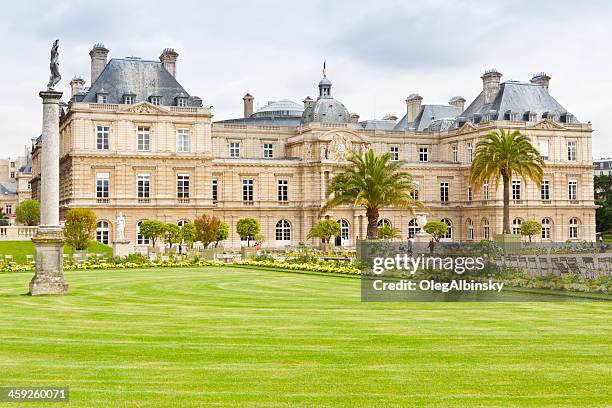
{"points": [[501, 155], [372, 182]]}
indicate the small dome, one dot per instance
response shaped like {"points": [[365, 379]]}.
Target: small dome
{"points": [[325, 81], [326, 110]]}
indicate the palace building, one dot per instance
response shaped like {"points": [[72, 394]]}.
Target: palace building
{"points": [[136, 142]]}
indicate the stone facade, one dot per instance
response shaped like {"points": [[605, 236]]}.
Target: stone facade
{"points": [[109, 151]]}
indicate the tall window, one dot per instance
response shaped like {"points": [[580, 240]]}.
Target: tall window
{"points": [[140, 239], [268, 151], [12, 175], [283, 190], [182, 139], [345, 233], [516, 226], [486, 233], [444, 189], [454, 153], [485, 190], [102, 182], [470, 229], [234, 149], [383, 222], [573, 228], [415, 193], [283, 231], [394, 150], [449, 229], [545, 190], [102, 138], [572, 189], [8, 209], [546, 228], [413, 227], [544, 149], [516, 189], [470, 195], [423, 154], [247, 190], [182, 186], [102, 232], [144, 139], [215, 190], [470, 151], [571, 150], [144, 182]]}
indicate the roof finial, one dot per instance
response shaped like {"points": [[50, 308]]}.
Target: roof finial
{"points": [[324, 63]]}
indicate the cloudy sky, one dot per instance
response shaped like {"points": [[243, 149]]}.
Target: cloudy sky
{"points": [[377, 52]]}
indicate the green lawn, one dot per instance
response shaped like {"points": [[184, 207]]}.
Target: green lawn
{"points": [[238, 337], [19, 249]]}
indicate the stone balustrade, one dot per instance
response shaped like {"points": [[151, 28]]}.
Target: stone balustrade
{"points": [[17, 233]]}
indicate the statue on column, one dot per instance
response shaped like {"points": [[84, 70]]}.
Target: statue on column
{"points": [[120, 223], [54, 66]]}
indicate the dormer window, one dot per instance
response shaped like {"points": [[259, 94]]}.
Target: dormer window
{"points": [[156, 100], [476, 118], [129, 99], [549, 116], [180, 101], [531, 116], [567, 117], [102, 97]]}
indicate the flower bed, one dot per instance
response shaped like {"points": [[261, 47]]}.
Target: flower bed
{"points": [[74, 266], [323, 267]]}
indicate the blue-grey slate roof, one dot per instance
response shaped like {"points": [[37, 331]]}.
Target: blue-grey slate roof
{"points": [[290, 121], [516, 97], [7, 188], [142, 78], [427, 115]]}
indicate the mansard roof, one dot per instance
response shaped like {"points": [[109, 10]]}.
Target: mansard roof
{"points": [[517, 97], [427, 115], [142, 78]]}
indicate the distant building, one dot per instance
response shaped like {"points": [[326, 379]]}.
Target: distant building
{"points": [[603, 167], [15, 176], [138, 143]]}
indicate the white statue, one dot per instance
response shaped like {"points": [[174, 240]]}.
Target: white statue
{"points": [[323, 152], [120, 222]]}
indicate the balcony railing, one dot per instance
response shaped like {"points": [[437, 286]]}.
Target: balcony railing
{"points": [[103, 200], [144, 201], [183, 201]]}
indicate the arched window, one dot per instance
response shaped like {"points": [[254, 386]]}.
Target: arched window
{"points": [[546, 226], [413, 227], [516, 226], [182, 222], [470, 229], [574, 225], [283, 231], [345, 233], [140, 240], [102, 231], [449, 232], [486, 232], [383, 222]]}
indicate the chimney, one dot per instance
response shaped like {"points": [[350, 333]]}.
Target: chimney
{"points": [[353, 118], [541, 79], [307, 102], [490, 85], [76, 85], [458, 102], [248, 105], [98, 55], [168, 58], [413, 107]]}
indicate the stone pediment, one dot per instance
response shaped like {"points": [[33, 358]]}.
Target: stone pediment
{"points": [[466, 128], [146, 108], [342, 143], [546, 124]]}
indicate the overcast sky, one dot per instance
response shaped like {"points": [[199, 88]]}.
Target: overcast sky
{"points": [[377, 52]]}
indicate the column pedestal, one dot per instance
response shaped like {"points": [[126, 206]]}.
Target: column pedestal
{"points": [[49, 276], [121, 249]]}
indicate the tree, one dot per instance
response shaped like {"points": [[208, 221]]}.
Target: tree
{"points": [[80, 227], [172, 234], [324, 230], [386, 231], [501, 155], [28, 212], [188, 233], [247, 228], [222, 233], [152, 229], [2, 215], [530, 228], [207, 229], [437, 229], [372, 182], [603, 199]]}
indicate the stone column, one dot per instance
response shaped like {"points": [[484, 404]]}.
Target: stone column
{"points": [[49, 241]]}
